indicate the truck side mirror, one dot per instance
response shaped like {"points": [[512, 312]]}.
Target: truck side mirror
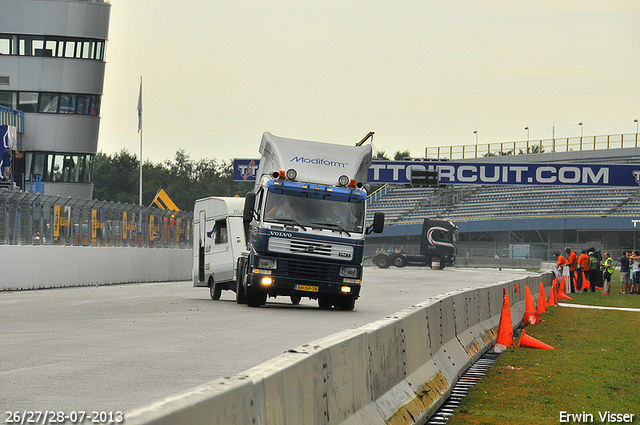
{"points": [[249, 202], [378, 223]]}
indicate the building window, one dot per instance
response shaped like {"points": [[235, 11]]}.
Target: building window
{"points": [[70, 103], [59, 167], [51, 46], [8, 99], [28, 102]]}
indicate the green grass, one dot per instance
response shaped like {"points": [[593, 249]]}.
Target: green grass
{"points": [[594, 368]]}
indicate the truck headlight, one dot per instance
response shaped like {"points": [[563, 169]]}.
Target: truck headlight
{"points": [[348, 271], [267, 263]]}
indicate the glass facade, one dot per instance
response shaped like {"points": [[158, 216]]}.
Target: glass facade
{"points": [[51, 46], [51, 103], [59, 167]]}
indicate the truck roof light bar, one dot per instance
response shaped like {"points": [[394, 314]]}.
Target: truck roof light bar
{"points": [[352, 184]]}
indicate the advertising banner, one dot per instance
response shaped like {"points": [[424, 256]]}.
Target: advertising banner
{"points": [[487, 173]]}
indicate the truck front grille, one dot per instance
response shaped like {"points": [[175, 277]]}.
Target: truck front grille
{"points": [[308, 270]]}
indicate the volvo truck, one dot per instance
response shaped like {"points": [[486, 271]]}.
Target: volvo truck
{"points": [[305, 224], [437, 248]]}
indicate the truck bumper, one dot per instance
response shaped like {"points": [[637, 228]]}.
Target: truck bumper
{"points": [[302, 288]]}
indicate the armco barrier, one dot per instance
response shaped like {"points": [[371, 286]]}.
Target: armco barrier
{"points": [[36, 267], [398, 370]]}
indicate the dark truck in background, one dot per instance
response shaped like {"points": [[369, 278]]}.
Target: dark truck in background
{"points": [[437, 248]]}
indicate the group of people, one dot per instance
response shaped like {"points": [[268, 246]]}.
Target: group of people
{"points": [[390, 251], [588, 266]]}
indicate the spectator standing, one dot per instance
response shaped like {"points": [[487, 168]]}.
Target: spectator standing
{"points": [[594, 270], [572, 262], [625, 275], [582, 269], [608, 272], [561, 261], [635, 277]]}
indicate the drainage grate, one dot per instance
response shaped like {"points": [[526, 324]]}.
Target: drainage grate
{"points": [[471, 377]]}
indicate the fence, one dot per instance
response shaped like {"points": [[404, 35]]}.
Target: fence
{"points": [[37, 219], [534, 146]]}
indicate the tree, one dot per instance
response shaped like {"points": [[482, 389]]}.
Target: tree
{"points": [[400, 155], [381, 155], [116, 178]]}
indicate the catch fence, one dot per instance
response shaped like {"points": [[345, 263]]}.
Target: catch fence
{"points": [[38, 219]]}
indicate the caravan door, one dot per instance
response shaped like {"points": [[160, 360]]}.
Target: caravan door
{"points": [[220, 258], [202, 216]]}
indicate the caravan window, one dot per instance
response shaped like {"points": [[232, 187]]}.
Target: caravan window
{"points": [[221, 232]]}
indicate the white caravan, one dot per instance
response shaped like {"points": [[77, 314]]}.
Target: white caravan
{"points": [[218, 240]]}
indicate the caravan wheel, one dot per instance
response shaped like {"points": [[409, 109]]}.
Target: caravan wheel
{"points": [[214, 290]]}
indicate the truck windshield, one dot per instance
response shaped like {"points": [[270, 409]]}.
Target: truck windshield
{"points": [[330, 212]]}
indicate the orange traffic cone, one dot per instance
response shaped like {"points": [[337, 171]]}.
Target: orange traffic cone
{"points": [[563, 296], [542, 301], [562, 293], [530, 312], [528, 342], [585, 282], [552, 296], [505, 328]]}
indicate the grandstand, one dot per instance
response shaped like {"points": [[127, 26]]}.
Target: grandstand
{"points": [[538, 220]]}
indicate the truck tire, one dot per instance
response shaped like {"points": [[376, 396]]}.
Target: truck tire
{"points": [[241, 277], [295, 300], [346, 304], [214, 290], [325, 303], [399, 260], [382, 260], [255, 298]]}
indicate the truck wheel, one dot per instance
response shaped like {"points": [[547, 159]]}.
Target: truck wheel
{"points": [[382, 260], [295, 300], [255, 298], [325, 303], [399, 260], [241, 277], [214, 290], [346, 304]]}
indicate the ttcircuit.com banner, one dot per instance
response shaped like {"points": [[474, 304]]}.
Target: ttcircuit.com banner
{"points": [[484, 173]]}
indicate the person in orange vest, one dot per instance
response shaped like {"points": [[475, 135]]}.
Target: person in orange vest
{"points": [[559, 265], [572, 262], [582, 269]]}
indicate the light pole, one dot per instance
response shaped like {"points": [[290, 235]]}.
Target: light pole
{"points": [[527, 128], [476, 133], [636, 121], [580, 124]]}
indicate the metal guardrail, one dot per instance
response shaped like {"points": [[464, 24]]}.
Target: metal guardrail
{"points": [[534, 146], [37, 219]]}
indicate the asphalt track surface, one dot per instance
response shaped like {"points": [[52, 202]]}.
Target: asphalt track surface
{"points": [[114, 348]]}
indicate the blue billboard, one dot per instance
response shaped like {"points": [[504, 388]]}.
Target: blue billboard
{"points": [[486, 173]]}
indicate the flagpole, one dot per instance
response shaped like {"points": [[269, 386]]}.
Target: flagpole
{"points": [[140, 131]]}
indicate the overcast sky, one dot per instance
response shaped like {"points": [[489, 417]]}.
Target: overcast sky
{"points": [[217, 74]]}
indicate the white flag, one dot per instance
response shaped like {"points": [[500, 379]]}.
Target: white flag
{"points": [[140, 108]]}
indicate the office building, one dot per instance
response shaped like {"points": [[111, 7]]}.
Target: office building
{"points": [[52, 67]]}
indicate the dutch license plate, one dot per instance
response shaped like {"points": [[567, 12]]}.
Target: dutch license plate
{"points": [[307, 288]]}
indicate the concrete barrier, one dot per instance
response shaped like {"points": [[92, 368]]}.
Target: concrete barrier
{"points": [[36, 267], [397, 370]]}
